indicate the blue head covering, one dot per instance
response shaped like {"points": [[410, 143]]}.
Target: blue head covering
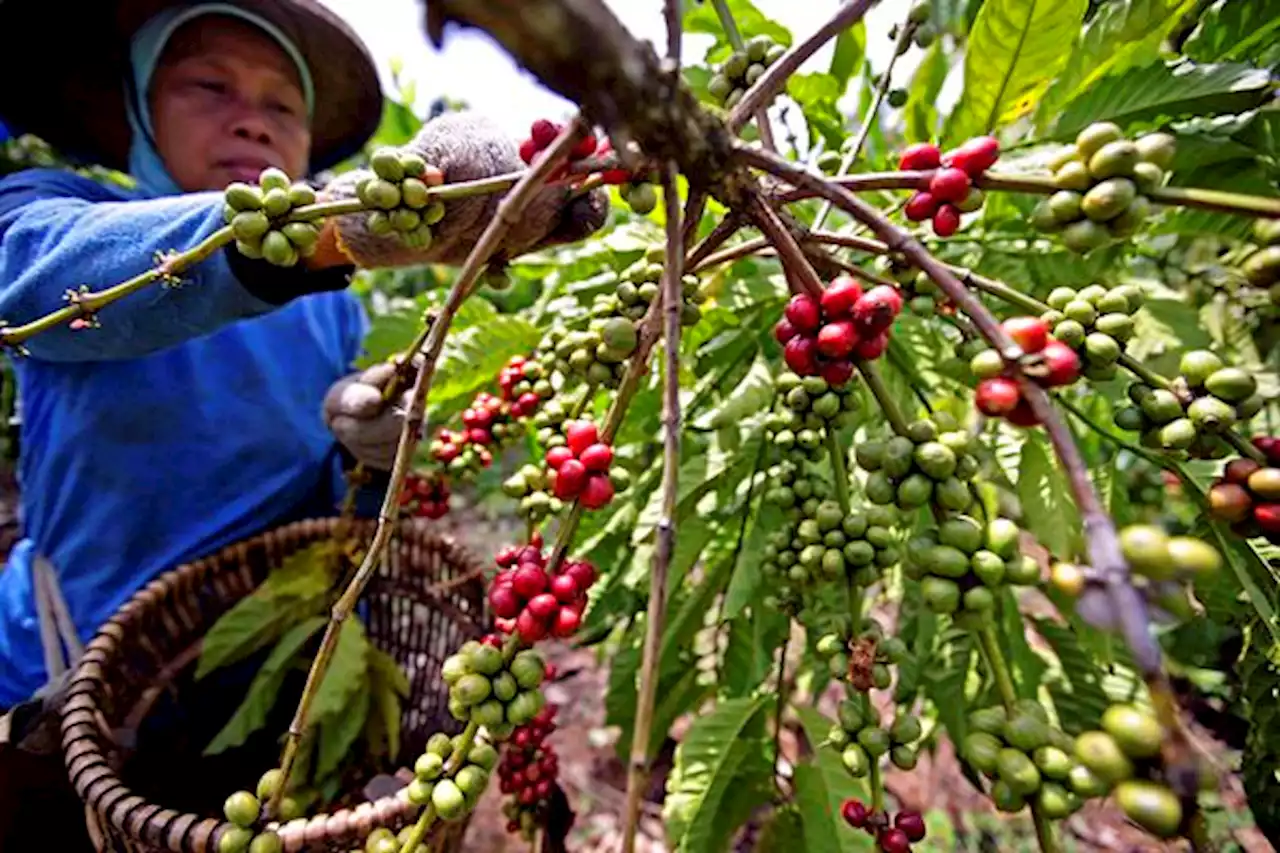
{"points": [[145, 49]]}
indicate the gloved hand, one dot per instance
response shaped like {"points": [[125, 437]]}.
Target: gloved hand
{"points": [[466, 147], [355, 413]]}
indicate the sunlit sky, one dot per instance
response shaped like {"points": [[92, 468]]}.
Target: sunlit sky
{"points": [[473, 68]]}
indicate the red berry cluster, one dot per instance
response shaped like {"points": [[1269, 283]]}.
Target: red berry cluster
{"points": [[426, 496], [906, 828], [543, 132], [525, 404], [526, 599], [823, 336], [1247, 495], [579, 468], [951, 191], [528, 771], [485, 412], [1057, 365]]}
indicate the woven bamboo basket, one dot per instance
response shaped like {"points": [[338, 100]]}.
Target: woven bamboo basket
{"points": [[426, 599]]}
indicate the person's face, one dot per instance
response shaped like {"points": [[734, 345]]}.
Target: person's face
{"points": [[226, 103]]}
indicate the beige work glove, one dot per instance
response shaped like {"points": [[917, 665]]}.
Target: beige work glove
{"points": [[465, 147], [361, 421]]}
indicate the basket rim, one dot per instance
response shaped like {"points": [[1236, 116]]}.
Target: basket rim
{"points": [[83, 728]]}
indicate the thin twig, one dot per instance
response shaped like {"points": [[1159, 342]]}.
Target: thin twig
{"points": [[509, 212], [730, 26], [776, 76], [666, 532], [800, 273]]}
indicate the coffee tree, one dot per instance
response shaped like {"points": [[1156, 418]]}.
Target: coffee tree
{"points": [[880, 442]]}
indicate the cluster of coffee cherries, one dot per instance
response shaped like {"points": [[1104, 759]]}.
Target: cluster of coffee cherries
{"points": [[964, 563], [244, 810], [486, 689], [638, 287], [795, 489], [579, 468], [1205, 400], [398, 190], [809, 402], [826, 543], [862, 740], [1052, 364], [528, 600], [742, 69], [425, 495], [1102, 180], [529, 486], [921, 29], [921, 294], [1247, 495], [522, 383], [485, 423], [893, 834], [588, 355], [258, 216], [454, 796], [1096, 322], [543, 132], [527, 774], [1123, 759], [933, 462], [863, 662], [951, 191], [1261, 267], [1027, 760], [822, 337]]}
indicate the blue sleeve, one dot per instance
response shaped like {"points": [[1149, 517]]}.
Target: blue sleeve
{"points": [[53, 245]]}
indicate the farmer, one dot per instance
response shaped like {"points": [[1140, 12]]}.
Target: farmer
{"points": [[198, 415]]}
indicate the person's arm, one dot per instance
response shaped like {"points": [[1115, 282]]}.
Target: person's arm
{"points": [[53, 244]]}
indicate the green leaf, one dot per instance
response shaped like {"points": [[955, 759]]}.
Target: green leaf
{"points": [[747, 573], [783, 833], [1028, 667], [702, 18], [1048, 510], [921, 111], [398, 125], [817, 94], [348, 672], [1121, 36], [713, 753], [339, 734], [1234, 31], [252, 713], [822, 785], [753, 394], [1163, 91], [1015, 49], [472, 358], [851, 49], [388, 687], [1246, 175], [1078, 697], [290, 593]]}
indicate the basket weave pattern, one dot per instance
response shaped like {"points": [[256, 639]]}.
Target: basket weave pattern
{"points": [[425, 600]]}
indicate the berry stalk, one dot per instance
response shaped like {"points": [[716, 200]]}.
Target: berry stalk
{"points": [[761, 116], [508, 212]]}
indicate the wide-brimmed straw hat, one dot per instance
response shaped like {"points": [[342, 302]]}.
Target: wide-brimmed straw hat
{"points": [[63, 68]]}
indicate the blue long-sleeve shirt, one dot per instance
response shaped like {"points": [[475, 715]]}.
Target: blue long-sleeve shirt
{"points": [[189, 420]]}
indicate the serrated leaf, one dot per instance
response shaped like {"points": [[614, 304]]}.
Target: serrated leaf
{"points": [[713, 753], [1121, 35], [822, 785], [1235, 31], [752, 394], [294, 590], [1163, 91], [748, 572], [339, 734], [348, 671], [472, 357], [252, 713], [1080, 701], [1015, 48], [1047, 507]]}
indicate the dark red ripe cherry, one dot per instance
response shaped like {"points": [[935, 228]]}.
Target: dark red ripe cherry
{"points": [[557, 456], [586, 147], [837, 372], [1029, 333], [895, 841], [949, 185], [505, 602], [1268, 518], [580, 435], [975, 156], [598, 491], [801, 356], [1062, 363], [1270, 447], [803, 312], [997, 396], [597, 457], [582, 572], [544, 132], [837, 340], [1238, 470], [912, 824], [872, 348], [571, 477], [567, 622], [838, 299], [527, 581], [921, 206], [854, 813], [946, 221], [564, 588], [543, 606], [528, 150], [876, 310], [922, 155], [1022, 415], [531, 629], [783, 331]]}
